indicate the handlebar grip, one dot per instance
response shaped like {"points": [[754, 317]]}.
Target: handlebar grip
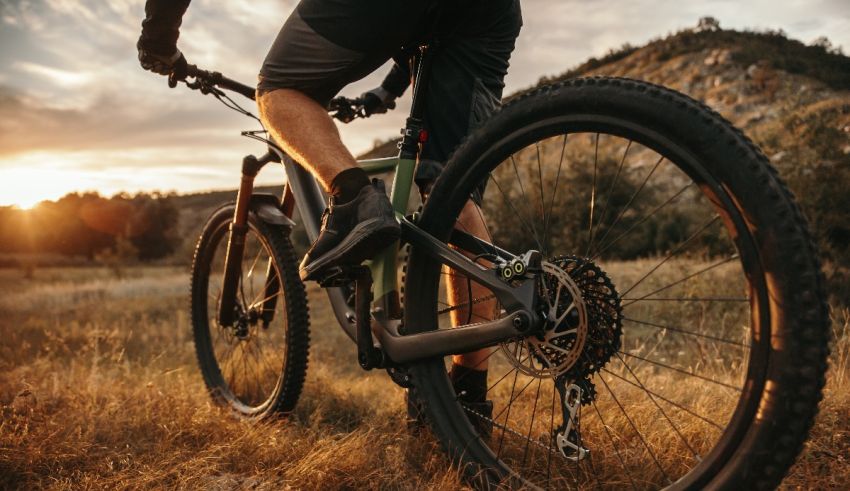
{"points": [[217, 79]]}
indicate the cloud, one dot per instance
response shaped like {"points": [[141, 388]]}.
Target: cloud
{"points": [[59, 77], [70, 83]]}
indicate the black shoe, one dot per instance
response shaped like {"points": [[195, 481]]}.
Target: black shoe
{"points": [[352, 232]]}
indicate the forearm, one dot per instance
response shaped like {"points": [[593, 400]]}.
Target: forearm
{"points": [[160, 29]]}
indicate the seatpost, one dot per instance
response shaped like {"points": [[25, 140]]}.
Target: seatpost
{"points": [[413, 133]]}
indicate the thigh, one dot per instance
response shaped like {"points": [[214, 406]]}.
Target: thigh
{"points": [[327, 44]]}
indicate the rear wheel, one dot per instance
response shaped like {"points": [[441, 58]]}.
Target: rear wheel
{"points": [[686, 339], [257, 365]]}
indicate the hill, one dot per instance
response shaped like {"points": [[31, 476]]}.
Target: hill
{"points": [[792, 99]]}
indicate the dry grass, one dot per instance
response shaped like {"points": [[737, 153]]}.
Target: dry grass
{"points": [[99, 389]]}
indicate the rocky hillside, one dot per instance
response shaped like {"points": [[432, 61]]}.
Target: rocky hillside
{"points": [[792, 99]]}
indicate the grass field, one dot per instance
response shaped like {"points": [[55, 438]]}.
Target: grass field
{"points": [[99, 389]]}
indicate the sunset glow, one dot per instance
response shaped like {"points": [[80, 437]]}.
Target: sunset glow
{"points": [[24, 188], [77, 113]]}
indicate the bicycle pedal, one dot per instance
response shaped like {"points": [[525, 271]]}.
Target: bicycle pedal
{"points": [[338, 276], [335, 276]]}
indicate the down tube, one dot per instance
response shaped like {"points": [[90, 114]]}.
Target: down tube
{"points": [[385, 265]]}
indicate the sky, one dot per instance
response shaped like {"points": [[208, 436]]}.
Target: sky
{"points": [[77, 112]]}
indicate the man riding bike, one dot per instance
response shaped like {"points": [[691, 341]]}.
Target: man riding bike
{"points": [[327, 44]]}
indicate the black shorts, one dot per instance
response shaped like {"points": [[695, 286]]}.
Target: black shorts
{"points": [[328, 44]]}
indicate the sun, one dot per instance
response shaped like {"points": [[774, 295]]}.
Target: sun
{"points": [[26, 186], [27, 203]]}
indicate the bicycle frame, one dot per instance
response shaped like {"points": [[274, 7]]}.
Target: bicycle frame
{"points": [[302, 191]]}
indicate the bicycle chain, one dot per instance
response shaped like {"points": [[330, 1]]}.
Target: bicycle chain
{"points": [[474, 301], [508, 429]]}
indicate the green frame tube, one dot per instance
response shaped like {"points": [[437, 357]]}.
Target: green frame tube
{"points": [[385, 265]]}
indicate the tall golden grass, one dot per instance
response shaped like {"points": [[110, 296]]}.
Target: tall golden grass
{"points": [[99, 389]]}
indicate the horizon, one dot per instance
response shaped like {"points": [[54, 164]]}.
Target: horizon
{"points": [[78, 114]]}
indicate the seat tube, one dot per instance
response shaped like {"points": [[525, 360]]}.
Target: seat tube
{"points": [[385, 265]]}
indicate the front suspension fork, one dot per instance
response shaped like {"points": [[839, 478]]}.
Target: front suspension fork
{"points": [[236, 241]]}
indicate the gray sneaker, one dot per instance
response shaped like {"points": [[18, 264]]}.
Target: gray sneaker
{"points": [[352, 232]]}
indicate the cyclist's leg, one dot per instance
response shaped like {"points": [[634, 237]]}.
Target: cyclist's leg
{"points": [[304, 69], [300, 75], [466, 86]]}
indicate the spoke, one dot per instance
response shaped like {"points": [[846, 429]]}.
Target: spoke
{"points": [[631, 200], [508, 408], [632, 424], [461, 305], [611, 192], [254, 262], [592, 196], [531, 425], [649, 395], [241, 292], [493, 351], [481, 246], [529, 228], [525, 199], [256, 298], [613, 443], [551, 432], [686, 332], [682, 280], [486, 227], [554, 193], [263, 300], [675, 251], [668, 401], [687, 299], [257, 370], [685, 372], [645, 218], [542, 198], [263, 358], [243, 358]]}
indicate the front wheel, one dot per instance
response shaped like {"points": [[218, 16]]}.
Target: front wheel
{"points": [[685, 340], [257, 365]]}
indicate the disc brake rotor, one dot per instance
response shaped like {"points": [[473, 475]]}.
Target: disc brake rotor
{"points": [[559, 346]]}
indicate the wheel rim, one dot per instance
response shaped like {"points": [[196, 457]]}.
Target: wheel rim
{"points": [[629, 390], [246, 360]]}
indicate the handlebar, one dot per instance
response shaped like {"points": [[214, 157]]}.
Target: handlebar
{"points": [[341, 108], [205, 81]]}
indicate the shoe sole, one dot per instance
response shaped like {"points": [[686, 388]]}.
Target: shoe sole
{"points": [[363, 242]]}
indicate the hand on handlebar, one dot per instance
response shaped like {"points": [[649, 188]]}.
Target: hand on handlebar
{"points": [[377, 101], [174, 65]]}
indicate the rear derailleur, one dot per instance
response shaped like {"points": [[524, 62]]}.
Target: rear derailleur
{"points": [[567, 437]]}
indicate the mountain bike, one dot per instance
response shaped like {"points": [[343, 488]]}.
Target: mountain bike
{"points": [[647, 293]]}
